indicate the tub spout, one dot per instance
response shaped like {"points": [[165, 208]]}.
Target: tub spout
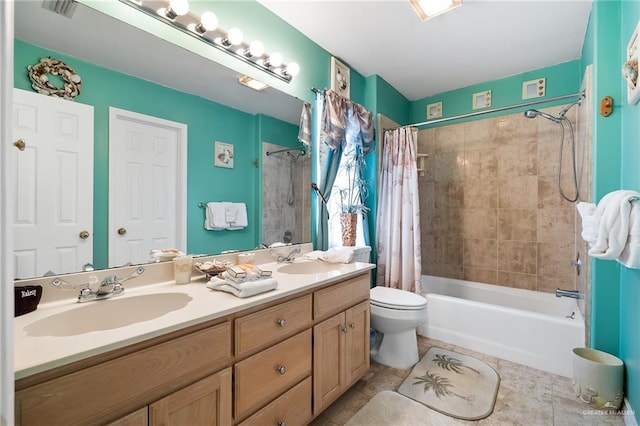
{"points": [[575, 294]]}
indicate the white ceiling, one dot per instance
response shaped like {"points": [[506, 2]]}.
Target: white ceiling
{"points": [[481, 40]]}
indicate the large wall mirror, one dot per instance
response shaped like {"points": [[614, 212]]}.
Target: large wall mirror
{"points": [[129, 69]]}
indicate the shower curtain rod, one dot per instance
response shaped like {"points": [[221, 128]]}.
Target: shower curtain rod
{"points": [[300, 148], [487, 111]]}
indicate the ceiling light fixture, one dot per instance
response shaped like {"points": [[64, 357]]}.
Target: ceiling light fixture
{"points": [[205, 28], [252, 83], [429, 8]]}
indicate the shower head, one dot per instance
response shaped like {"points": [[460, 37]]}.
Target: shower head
{"points": [[533, 113]]}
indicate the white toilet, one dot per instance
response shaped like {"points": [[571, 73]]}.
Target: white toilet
{"points": [[396, 314]]}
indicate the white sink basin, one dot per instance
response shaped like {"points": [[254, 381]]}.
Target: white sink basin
{"points": [[309, 267], [108, 314]]}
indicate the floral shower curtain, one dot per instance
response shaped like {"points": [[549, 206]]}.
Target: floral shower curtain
{"points": [[398, 220]]}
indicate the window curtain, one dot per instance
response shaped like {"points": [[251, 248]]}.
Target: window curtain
{"points": [[398, 219], [342, 123]]}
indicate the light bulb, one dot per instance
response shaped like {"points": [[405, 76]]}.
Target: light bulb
{"points": [[180, 7], [234, 36], [256, 48], [275, 60], [209, 21], [292, 69]]}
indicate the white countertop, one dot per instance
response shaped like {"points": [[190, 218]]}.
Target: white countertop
{"points": [[37, 353]]}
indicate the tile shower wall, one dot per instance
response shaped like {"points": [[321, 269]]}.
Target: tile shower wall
{"points": [[490, 207], [281, 211]]}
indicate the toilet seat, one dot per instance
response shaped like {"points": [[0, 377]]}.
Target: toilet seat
{"points": [[392, 298]]}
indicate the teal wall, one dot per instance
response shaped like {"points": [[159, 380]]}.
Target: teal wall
{"points": [[207, 122], [630, 179], [561, 79]]}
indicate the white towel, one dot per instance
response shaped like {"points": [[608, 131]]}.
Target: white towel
{"points": [[630, 256], [240, 219], [215, 217], [590, 222], [247, 289], [614, 225], [333, 255]]}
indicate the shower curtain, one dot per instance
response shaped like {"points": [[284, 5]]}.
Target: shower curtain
{"points": [[398, 219]]}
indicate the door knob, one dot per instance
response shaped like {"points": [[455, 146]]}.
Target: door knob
{"points": [[122, 231], [84, 235], [20, 144]]}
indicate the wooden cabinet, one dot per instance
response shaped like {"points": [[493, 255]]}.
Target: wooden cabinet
{"points": [[206, 402], [340, 354], [286, 354]]}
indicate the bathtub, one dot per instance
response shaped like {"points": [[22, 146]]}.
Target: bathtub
{"points": [[527, 327]]}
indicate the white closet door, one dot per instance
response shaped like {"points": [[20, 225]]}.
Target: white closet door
{"points": [[53, 198], [147, 172]]}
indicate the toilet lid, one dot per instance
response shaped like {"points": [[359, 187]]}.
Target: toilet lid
{"points": [[394, 298]]}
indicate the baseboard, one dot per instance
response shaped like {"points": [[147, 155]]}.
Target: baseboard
{"points": [[629, 414]]}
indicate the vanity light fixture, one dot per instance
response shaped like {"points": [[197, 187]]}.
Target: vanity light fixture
{"points": [[245, 80], [205, 28], [429, 8]]}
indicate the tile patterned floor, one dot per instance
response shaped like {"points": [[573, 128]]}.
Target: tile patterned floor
{"points": [[526, 396]]}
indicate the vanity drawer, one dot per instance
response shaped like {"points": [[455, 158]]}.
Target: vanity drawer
{"points": [[339, 297], [265, 375], [270, 325], [292, 408]]}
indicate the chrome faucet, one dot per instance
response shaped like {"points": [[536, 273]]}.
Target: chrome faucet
{"points": [[574, 294], [289, 257], [110, 286]]}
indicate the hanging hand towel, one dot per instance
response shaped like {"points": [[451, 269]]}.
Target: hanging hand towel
{"points": [[630, 256], [215, 217], [240, 217], [590, 222], [614, 225]]}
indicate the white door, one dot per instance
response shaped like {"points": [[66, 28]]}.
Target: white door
{"points": [[53, 198], [147, 186]]}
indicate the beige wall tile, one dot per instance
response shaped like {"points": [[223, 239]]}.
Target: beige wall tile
{"points": [[554, 263], [514, 129], [449, 138], [479, 223], [477, 135], [481, 164], [517, 224], [518, 160], [517, 256], [518, 193], [448, 195], [556, 225], [550, 284], [548, 155], [480, 253], [515, 280], [448, 166], [426, 141], [482, 194], [488, 276]]}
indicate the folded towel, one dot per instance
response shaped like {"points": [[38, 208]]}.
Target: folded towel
{"points": [[590, 222], [304, 134], [239, 218], [246, 289], [630, 256], [215, 217], [230, 212], [614, 225], [333, 255]]}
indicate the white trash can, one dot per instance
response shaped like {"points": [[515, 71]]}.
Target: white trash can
{"points": [[598, 378]]}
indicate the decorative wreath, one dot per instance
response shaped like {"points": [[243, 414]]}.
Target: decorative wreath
{"points": [[39, 72]]}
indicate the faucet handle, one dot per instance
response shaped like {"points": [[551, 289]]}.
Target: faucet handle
{"points": [[139, 271], [65, 285]]}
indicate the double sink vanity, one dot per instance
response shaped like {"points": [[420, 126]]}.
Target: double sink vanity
{"points": [[163, 353]]}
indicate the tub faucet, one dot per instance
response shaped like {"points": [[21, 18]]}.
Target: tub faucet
{"points": [[574, 294]]}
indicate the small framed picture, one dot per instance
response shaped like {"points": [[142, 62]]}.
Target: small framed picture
{"points": [[223, 155]]}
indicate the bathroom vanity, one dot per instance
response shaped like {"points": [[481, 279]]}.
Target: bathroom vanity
{"points": [[278, 358]]}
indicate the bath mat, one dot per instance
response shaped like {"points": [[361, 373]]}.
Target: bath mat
{"points": [[453, 384], [390, 408]]}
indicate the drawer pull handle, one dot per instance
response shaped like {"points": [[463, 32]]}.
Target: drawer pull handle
{"points": [[352, 325], [281, 369], [282, 423], [345, 330], [282, 322]]}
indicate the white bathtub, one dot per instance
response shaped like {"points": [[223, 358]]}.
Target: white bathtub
{"points": [[523, 326]]}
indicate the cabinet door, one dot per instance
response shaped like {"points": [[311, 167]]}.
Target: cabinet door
{"points": [[137, 418], [328, 368], [207, 402], [357, 343]]}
